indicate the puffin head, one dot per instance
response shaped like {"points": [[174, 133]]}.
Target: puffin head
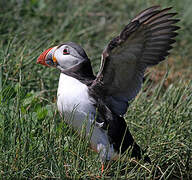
{"points": [[64, 56]]}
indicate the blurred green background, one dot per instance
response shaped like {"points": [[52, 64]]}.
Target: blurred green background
{"points": [[29, 27], [28, 117]]}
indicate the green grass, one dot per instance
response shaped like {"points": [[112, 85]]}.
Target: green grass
{"points": [[34, 140]]}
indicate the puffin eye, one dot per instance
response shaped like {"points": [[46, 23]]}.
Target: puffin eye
{"points": [[65, 51]]}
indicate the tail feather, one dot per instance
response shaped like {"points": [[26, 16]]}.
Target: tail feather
{"points": [[136, 151]]}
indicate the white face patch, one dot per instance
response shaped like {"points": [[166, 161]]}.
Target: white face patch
{"points": [[67, 56]]}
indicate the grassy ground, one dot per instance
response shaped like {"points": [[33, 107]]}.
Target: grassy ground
{"points": [[36, 143]]}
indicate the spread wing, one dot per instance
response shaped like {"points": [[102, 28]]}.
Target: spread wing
{"points": [[144, 42]]}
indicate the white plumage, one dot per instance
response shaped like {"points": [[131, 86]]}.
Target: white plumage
{"points": [[76, 107]]}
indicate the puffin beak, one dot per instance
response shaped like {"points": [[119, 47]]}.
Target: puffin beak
{"points": [[41, 59]]}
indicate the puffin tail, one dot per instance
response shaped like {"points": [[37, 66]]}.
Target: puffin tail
{"points": [[137, 152]]}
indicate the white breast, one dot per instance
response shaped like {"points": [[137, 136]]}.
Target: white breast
{"points": [[73, 96], [75, 104]]}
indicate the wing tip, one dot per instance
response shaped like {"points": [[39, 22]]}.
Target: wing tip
{"points": [[145, 11], [152, 12]]}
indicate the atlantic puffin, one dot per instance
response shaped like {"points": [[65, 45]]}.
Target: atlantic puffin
{"points": [[102, 100]]}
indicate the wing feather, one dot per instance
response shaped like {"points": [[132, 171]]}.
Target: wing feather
{"points": [[145, 41]]}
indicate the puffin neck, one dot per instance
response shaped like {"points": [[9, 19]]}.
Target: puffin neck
{"points": [[82, 71]]}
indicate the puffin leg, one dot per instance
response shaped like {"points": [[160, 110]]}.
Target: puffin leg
{"points": [[102, 168], [100, 174]]}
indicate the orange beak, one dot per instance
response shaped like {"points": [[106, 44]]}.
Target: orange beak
{"points": [[41, 58]]}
